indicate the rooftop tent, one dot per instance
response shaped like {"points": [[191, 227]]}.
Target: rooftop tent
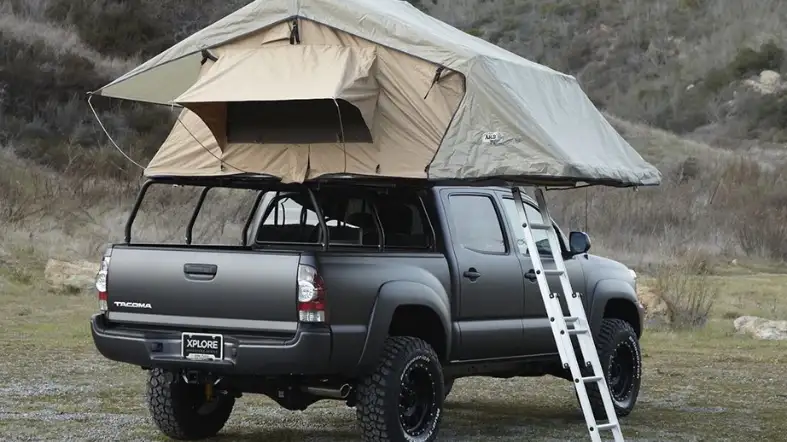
{"points": [[303, 88]]}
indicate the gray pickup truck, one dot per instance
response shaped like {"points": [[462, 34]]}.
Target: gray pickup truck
{"points": [[376, 295]]}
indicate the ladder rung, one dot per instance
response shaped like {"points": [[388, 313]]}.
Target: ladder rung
{"points": [[609, 426], [577, 331], [553, 272], [535, 226], [571, 319], [590, 379]]}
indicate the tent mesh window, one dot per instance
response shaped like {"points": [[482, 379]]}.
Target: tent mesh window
{"points": [[296, 122]]}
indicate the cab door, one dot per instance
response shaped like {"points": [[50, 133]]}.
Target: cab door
{"points": [[538, 331], [491, 288]]}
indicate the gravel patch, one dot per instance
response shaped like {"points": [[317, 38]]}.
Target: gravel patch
{"points": [[710, 385], [27, 390]]}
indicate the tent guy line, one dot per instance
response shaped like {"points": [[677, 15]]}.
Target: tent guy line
{"points": [[103, 128]]}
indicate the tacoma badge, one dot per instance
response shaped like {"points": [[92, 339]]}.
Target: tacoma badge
{"points": [[132, 304]]}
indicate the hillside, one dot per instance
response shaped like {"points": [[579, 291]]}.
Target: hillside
{"points": [[680, 65], [679, 78]]}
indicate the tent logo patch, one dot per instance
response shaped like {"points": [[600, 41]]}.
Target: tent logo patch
{"points": [[492, 138]]}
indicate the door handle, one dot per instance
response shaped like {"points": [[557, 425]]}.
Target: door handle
{"points": [[471, 274], [531, 275], [200, 269]]}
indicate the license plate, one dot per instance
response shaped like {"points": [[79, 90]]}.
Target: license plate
{"points": [[202, 347]]}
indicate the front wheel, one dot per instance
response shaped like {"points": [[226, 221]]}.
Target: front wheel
{"points": [[402, 400], [621, 360], [184, 411]]}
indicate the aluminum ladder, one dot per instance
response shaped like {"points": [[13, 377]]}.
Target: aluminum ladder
{"points": [[576, 317]]}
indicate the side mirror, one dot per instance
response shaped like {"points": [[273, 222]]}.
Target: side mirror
{"points": [[578, 242]]}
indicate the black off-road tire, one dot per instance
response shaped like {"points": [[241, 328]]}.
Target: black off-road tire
{"points": [[181, 411], [618, 347], [383, 393]]}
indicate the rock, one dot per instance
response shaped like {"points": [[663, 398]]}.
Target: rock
{"points": [[70, 277], [655, 308], [770, 78], [761, 328], [769, 82]]}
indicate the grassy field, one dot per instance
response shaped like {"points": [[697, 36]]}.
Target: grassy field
{"points": [[706, 385]]}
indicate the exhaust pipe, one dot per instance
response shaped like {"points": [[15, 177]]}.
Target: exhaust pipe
{"points": [[327, 392]]}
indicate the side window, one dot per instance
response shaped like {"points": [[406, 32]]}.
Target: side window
{"points": [[542, 241], [288, 221], [476, 222]]}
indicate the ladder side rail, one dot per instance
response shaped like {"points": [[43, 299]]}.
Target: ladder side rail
{"points": [[585, 340], [557, 256]]}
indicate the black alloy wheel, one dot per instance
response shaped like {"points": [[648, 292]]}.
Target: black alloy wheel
{"points": [[417, 399], [621, 372]]}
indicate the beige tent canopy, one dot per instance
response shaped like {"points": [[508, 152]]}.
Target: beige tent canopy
{"points": [[301, 89]]}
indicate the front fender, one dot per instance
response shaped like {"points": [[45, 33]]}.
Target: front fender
{"points": [[609, 292], [392, 295]]}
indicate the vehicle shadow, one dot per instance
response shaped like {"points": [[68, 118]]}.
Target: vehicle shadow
{"points": [[289, 435], [464, 420], [504, 417]]}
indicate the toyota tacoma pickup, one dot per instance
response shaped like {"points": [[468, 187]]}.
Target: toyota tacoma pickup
{"points": [[380, 296]]}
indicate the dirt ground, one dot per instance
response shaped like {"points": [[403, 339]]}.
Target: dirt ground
{"points": [[706, 385]]}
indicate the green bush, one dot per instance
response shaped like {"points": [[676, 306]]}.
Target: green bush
{"points": [[749, 61]]}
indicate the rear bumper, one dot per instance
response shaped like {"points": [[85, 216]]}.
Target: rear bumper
{"points": [[308, 352]]}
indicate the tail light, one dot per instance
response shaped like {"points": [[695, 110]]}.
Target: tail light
{"points": [[101, 284], [311, 295]]}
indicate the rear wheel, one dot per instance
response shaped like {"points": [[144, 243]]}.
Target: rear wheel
{"points": [[402, 399], [185, 411]]}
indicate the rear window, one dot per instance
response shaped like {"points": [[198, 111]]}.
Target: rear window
{"points": [[353, 217]]}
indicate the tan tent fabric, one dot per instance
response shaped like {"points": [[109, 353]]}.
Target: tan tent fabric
{"points": [[298, 72], [512, 118], [189, 149]]}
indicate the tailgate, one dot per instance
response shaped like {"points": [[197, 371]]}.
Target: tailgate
{"points": [[204, 288]]}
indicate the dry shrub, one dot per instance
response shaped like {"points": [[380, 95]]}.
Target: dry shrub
{"points": [[687, 290], [731, 207], [23, 195]]}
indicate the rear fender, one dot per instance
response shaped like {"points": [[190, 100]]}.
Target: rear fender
{"points": [[392, 295]]}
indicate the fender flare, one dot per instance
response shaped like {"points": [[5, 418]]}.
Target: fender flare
{"points": [[394, 294], [608, 290]]}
